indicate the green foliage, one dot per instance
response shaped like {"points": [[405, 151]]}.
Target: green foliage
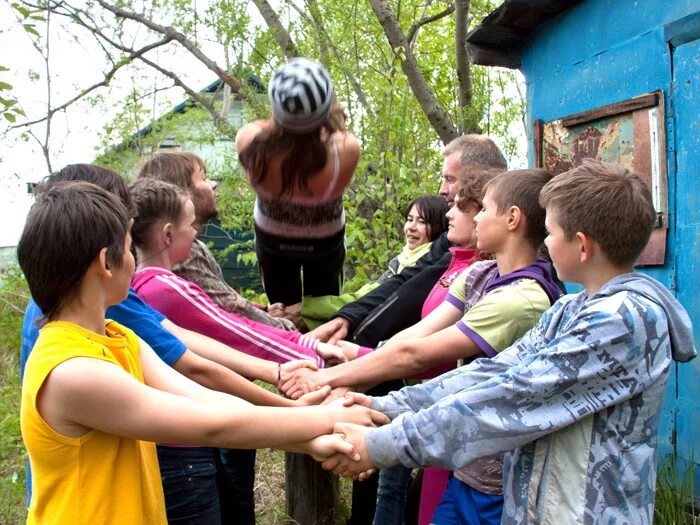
{"points": [[400, 150], [13, 300]]}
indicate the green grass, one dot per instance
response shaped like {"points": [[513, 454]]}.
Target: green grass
{"points": [[13, 299], [674, 495]]}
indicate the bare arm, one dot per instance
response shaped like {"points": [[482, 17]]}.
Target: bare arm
{"points": [[446, 314], [239, 362], [399, 359], [83, 394], [217, 377]]}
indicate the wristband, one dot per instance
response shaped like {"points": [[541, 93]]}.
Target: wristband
{"points": [[279, 374]]}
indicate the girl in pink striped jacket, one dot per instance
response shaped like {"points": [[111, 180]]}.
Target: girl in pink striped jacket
{"points": [[163, 233]]}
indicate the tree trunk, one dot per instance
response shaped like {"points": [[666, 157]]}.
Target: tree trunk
{"points": [[464, 74], [437, 116], [280, 33]]}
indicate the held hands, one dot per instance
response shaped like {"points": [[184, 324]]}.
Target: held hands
{"points": [[329, 446], [298, 381], [356, 414], [356, 466], [285, 370], [332, 354], [314, 398]]}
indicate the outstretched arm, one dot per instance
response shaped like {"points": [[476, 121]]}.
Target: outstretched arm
{"points": [[244, 364], [396, 359], [83, 394]]}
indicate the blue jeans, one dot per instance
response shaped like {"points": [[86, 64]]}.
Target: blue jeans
{"points": [[391, 495], [464, 505], [189, 485], [236, 480]]}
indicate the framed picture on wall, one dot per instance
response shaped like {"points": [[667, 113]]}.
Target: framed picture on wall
{"points": [[631, 133]]}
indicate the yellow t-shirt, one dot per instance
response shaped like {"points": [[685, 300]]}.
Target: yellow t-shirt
{"points": [[97, 478]]}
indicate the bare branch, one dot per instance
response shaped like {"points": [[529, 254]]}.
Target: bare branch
{"points": [[317, 24], [103, 83], [220, 123], [175, 35], [278, 31], [424, 95], [411, 35]]}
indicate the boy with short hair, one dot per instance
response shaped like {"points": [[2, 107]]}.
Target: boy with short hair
{"points": [[94, 396], [489, 306], [577, 399]]}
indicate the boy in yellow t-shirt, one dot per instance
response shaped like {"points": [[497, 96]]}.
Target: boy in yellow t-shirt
{"points": [[95, 397]]}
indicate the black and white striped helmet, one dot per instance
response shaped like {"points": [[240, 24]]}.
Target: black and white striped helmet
{"points": [[301, 95]]}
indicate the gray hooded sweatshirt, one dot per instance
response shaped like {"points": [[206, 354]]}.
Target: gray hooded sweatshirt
{"points": [[575, 404]]}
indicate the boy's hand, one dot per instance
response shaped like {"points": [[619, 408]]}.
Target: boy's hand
{"points": [[287, 369], [332, 331], [356, 398], [314, 398], [358, 415], [360, 465], [333, 354], [330, 445], [300, 381]]}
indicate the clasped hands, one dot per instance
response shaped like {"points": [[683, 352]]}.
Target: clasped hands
{"points": [[344, 451]]}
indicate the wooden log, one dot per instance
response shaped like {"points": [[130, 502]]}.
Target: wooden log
{"points": [[311, 492]]}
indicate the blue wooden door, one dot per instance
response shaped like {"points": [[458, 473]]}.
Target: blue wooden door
{"points": [[685, 107]]}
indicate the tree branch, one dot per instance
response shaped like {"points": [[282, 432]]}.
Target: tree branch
{"points": [[424, 95], [411, 35], [175, 35], [103, 83], [278, 31]]}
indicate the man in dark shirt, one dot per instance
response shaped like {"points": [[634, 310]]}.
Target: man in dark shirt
{"points": [[397, 303]]}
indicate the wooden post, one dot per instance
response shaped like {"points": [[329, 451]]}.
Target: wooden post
{"points": [[311, 492]]}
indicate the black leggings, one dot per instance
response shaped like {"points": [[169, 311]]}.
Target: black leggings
{"points": [[282, 261]]}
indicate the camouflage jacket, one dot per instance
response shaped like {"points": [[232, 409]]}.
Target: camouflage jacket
{"points": [[575, 405]]}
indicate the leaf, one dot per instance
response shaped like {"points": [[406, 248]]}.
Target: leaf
{"points": [[9, 117], [3, 68], [29, 28], [5, 86]]}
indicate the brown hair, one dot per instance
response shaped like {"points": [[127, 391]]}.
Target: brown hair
{"points": [[66, 228], [607, 202], [154, 200], [471, 186], [303, 155], [476, 149], [104, 178], [522, 188], [175, 167]]}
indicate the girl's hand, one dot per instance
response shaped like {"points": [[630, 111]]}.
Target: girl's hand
{"points": [[313, 398], [332, 354]]}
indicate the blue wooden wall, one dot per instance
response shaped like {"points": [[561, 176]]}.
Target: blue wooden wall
{"points": [[606, 51]]}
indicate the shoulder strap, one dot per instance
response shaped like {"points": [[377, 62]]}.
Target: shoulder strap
{"points": [[336, 173]]}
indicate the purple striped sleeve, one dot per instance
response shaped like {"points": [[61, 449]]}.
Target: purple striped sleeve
{"points": [[455, 302], [478, 340]]}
